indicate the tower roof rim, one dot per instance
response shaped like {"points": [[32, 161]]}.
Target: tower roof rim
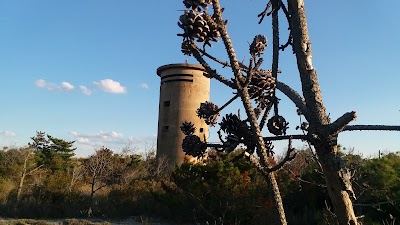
{"points": [[179, 65]]}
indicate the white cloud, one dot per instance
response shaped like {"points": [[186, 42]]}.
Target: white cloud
{"points": [[67, 86], [85, 90], [48, 85], [113, 140], [144, 86], [99, 138], [83, 140], [40, 83], [7, 133], [110, 86]]}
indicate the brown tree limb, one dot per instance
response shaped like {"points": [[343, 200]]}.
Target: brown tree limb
{"points": [[289, 156], [295, 97], [275, 38], [227, 42], [340, 123], [211, 72], [228, 102], [371, 127], [265, 115], [286, 137], [223, 63], [308, 75]]}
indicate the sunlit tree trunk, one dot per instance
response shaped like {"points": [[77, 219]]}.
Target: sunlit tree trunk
{"points": [[336, 175]]}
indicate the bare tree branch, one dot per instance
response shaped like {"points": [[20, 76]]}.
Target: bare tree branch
{"points": [[286, 137], [211, 72], [227, 42], [308, 75], [340, 123], [371, 127], [290, 155], [295, 97]]}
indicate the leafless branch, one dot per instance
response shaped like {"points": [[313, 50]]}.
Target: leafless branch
{"points": [[290, 155], [211, 72], [305, 181], [286, 137], [224, 63], [295, 97], [228, 102], [264, 13], [340, 123], [371, 127], [227, 42], [265, 115]]}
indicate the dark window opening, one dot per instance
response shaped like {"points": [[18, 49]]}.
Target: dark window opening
{"points": [[201, 130], [167, 103], [165, 128]]}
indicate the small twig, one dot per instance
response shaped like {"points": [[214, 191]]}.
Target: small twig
{"points": [[306, 181], [212, 73], [290, 155], [224, 63], [290, 39], [265, 115], [264, 13], [229, 102]]}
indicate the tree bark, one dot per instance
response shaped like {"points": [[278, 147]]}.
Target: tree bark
{"points": [[23, 175], [337, 177]]}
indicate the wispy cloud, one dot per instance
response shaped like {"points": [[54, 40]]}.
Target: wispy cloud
{"points": [[64, 86], [144, 86], [67, 86], [99, 138], [7, 133], [110, 86], [85, 90], [113, 139], [48, 85], [40, 83]]}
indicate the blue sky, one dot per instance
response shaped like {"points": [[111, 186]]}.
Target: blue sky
{"points": [[86, 70]]}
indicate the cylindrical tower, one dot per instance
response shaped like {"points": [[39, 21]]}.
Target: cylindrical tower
{"points": [[183, 87]]}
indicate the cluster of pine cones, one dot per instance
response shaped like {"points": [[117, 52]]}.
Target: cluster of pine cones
{"points": [[198, 26], [196, 5], [209, 112], [262, 87]]}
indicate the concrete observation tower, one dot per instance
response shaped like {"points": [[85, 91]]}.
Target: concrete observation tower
{"points": [[183, 87]]}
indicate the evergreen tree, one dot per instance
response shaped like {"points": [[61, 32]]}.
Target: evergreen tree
{"points": [[53, 153]]}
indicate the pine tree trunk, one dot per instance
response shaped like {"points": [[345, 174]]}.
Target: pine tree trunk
{"points": [[20, 186], [271, 177], [22, 179], [336, 175], [338, 184], [277, 197]]}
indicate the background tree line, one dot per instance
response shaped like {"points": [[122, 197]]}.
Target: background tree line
{"points": [[45, 180]]}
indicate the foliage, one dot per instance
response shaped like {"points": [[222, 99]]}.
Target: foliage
{"points": [[53, 153], [222, 189]]}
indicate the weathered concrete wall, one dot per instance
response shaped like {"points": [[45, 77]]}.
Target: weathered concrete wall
{"points": [[183, 88]]}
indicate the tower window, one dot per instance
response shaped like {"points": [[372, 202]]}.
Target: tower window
{"points": [[167, 103], [201, 130], [165, 128]]}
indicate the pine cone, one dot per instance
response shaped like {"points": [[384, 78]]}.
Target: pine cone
{"points": [[277, 125], [258, 45], [209, 112], [192, 145], [188, 128], [196, 5]]}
